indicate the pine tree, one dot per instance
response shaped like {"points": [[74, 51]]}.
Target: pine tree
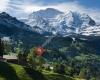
{"points": [[1, 48]]}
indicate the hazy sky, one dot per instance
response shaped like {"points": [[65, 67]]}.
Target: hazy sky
{"points": [[21, 8]]}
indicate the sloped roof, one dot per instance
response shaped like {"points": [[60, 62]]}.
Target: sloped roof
{"points": [[9, 56]]}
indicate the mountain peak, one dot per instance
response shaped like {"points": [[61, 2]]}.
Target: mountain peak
{"points": [[52, 9], [4, 14], [11, 22], [47, 13]]}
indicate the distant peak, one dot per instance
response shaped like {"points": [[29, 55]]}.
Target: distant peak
{"points": [[48, 9], [3, 13], [46, 13], [72, 12]]}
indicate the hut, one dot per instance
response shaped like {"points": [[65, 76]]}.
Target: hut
{"points": [[10, 58]]}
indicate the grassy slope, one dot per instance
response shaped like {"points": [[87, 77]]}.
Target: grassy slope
{"points": [[16, 72]]}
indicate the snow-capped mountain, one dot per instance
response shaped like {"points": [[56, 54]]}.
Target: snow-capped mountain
{"points": [[40, 20], [73, 23], [46, 14], [56, 22]]}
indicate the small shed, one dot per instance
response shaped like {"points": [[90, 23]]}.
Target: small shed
{"points": [[10, 58]]}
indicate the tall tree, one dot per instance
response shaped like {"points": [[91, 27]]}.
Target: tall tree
{"points": [[1, 48]]}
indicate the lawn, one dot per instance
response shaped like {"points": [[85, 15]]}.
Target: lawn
{"points": [[10, 71]]}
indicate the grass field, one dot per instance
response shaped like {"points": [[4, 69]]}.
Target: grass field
{"points": [[10, 71]]}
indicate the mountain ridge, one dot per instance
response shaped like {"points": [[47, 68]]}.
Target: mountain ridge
{"points": [[63, 23]]}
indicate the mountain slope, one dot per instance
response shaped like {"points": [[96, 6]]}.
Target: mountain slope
{"points": [[8, 20], [10, 24], [18, 72], [18, 31]]}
